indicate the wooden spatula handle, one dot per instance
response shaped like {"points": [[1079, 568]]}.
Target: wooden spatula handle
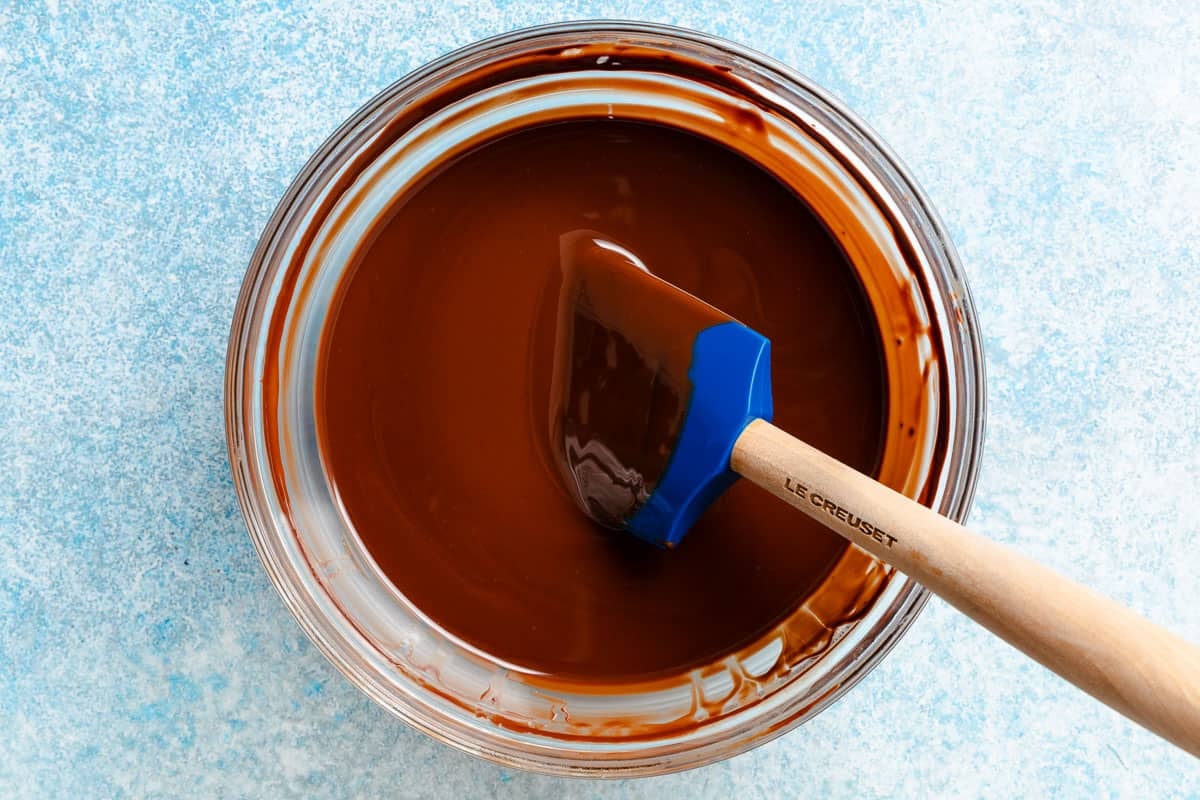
{"points": [[1136, 667]]}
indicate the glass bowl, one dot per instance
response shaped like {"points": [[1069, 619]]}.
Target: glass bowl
{"points": [[670, 76]]}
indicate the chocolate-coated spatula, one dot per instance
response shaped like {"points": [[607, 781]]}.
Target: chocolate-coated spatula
{"points": [[661, 402]]}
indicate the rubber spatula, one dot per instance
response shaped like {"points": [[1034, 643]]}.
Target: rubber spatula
{"points": [[660, 402]]}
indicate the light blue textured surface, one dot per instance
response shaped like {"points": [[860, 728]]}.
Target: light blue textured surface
{"points": [[142, 650]]}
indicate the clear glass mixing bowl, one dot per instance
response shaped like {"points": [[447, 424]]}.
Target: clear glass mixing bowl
{"points": [[360, 621]]}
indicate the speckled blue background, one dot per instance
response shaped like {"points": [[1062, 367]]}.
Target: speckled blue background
{"points": [[142, 149]]}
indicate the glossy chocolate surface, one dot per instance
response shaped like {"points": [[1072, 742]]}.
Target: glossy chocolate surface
{"points": [[434, 403]]}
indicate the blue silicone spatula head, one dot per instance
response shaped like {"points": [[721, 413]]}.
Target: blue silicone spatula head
{"points": [[651, 389]]}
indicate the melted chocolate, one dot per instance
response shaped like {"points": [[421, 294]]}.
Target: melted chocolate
{"points": [[436, 380]]}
